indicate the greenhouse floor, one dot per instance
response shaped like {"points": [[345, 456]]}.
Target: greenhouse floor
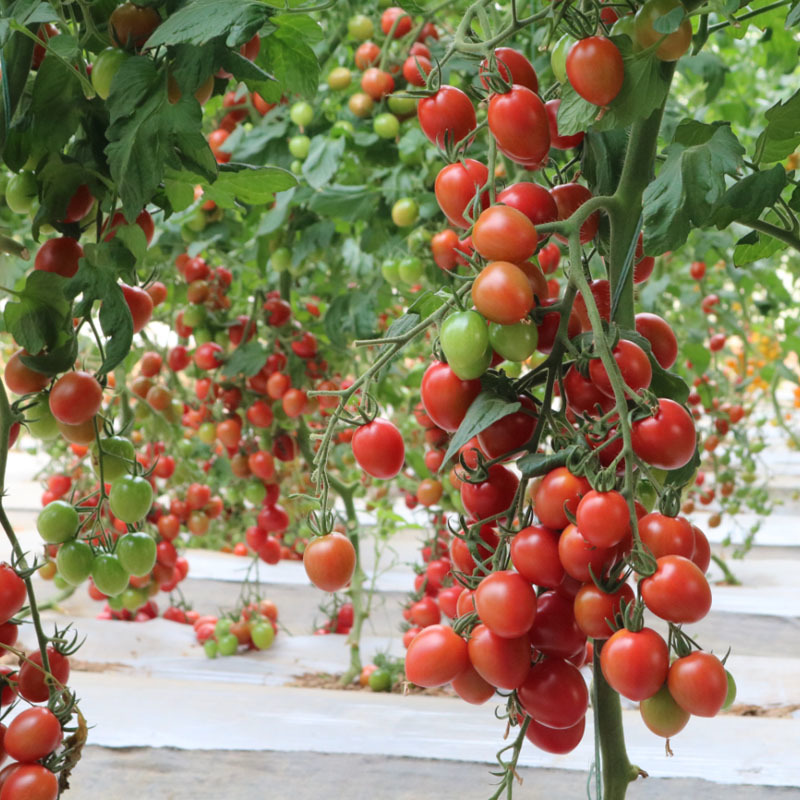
{"points": [[169, 723]]}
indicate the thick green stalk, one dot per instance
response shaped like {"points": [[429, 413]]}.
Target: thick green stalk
{"points": [[356, 590], [624, 214], [617, 770]]}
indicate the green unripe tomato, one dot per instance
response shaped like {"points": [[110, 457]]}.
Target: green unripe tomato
{"points": [[137, 553], [558, 57], [419, 239], [296, 166], [391, 272], [118, 457], [207, 433], [299, 146], [301, 113], [74, 561], [109, 575], [401, 105], [625, 26], [464, 337], [57, 522], [222, 627], [21, 192], [386, 125], [142, 412], [673, 45], [194, 315], [115, 603], [731, 696], [511, 368], [197, 222], [60, 583], [281, 259], [227, 644], [514, 342], [133, 598], [105, 67], [40, 420], [410, 269], [380, 680], [234, 496], [130, 499], [202, 335], [255, 493], [405, 212], [360, 27], [210, 648], [262, 634], [339, 78], [343, 127]]}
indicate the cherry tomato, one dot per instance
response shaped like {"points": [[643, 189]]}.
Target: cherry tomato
{"points": [[513, 67], [456, 187], [674, 44], [378, 448], [503, 663], [677, 591], [559, 488], [554, 694], [518, 122], [502, 233], [502, 293], [666, 440], [330, 561], [447, 115], [635, 664], [698, 683], [436, 656], [506, 604], [446, 397], [595, 69], [560, 142]]}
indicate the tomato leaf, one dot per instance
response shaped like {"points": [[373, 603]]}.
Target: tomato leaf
{"points": [[291, 61], [248, 184], [710, 68], [486, 409], [147, 133], [671, 21], [755, 246], [690, 183], [323, 160], [38, 315], [350, 316], [535, 464], [97, 279], [782, 134], [247, 360], [602, 159], [58, 179], [680, 477], [747, 198], [199, 21], [643, 90], [348, 203]]}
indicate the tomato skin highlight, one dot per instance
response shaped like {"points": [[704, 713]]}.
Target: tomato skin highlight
{"points": [[518, 122], [502, 293], [635, 664], [506, 604], [503, 663], [595, 69], [698, 683], [554, 693], [678, 591], [666, 440], [379, 449], [330, 561], [436, 656], [502, 233]]}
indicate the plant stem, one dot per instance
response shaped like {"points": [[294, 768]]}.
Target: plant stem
{"points": [[618, 771], [356, 590], [781, 234], [22, 564]]}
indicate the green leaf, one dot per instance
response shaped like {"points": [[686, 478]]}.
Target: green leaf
{"points": [[350, 316], [535, 464], [180, 193], [643, 90], [485, 410], [300, 25], [291, 61], [690, 183], [147, 134], [57, 104], [246, 360], [97, 279], [247, 184], [276, 217], [747, 198], [670, 22], [349, 203], [602, 159], [58, 180], [754, 247], [782, 134], [199, 21], [698, 354], [323, 160], [679, 477], [710, 68], [40, 313], [426, 304], [793, 17]]}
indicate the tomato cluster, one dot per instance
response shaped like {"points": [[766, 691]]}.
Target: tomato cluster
{"points": [[253, 627]]}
